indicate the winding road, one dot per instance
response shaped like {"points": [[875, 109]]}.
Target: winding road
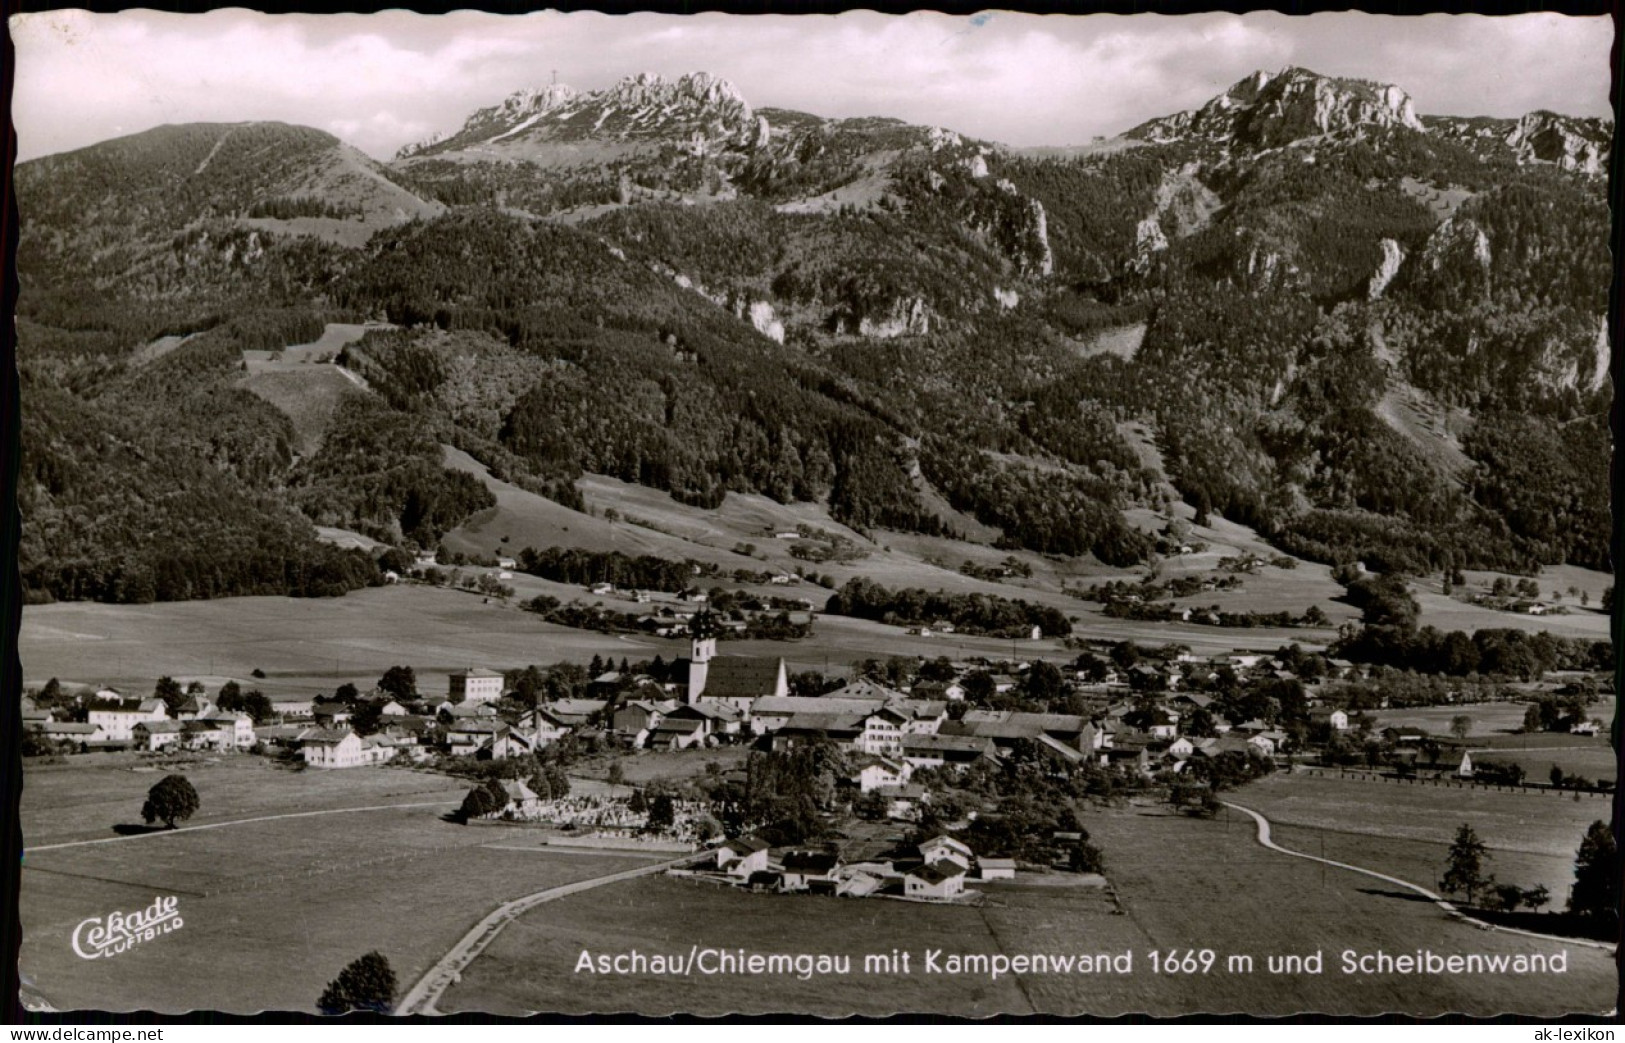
{"points": [[1438, 900], [423, 996]]}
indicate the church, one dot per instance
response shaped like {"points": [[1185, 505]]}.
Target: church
{"points": [[733, 679]]}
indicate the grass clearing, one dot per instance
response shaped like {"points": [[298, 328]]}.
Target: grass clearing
{"points": [[305, 646], [1182, 883], [1537, 830], [271, 910]]}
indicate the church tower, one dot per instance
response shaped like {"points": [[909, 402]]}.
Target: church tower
{"points": [[702, 649]]}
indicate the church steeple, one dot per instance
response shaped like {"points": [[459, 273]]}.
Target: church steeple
{"points": [[702, 632]]}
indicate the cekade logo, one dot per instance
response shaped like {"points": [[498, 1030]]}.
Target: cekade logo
{"points": [[121, 932]]}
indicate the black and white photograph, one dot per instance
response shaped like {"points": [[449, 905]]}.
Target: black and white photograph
{"points": [[927, 514]]}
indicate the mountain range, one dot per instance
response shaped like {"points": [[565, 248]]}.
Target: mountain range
{"points": [[1373, 335]]}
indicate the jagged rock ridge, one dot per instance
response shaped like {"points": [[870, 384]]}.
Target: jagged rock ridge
{"points": [[698, 109], [1268, 110]]}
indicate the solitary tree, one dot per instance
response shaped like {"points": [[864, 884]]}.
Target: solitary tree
{"points": [[488, 798], [662, 813], [1464, 866], [171, 800], [617, 774], [1595, 894], [400, 681], [1531, 718], [1461, 725], [368, 983]]}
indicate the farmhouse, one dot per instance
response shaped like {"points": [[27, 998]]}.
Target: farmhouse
{"points": [[575, 713], [475, 685], [470, 734], [863, 688], [634, 720], [157, 735], [341, 749], [771, 713], [118, 721], [883, 731], [742, 857], [809, 871], [843, 729], [879, 772], [957, 751], [1006, 727], [331, 714], [543, 727], [903, 802], [676, 734], [948, 691], [945, 848], [70, 731], [502, 746], [940, 880], [1335, 719]]}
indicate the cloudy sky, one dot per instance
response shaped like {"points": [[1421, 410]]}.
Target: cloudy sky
{"points": [[381, 81]]}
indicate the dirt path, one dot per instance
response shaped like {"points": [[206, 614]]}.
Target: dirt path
{"points": [[237, 822], [1438, 900], [423, 996]]}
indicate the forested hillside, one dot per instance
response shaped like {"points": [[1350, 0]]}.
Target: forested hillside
{"points": [[1378, 342]]}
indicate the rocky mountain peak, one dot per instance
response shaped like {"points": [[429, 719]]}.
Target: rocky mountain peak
{"points": [[1579, 145], [697, 109], [1267, 110]]}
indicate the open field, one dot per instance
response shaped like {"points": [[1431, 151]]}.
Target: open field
{"points": [[309, 646], [1594, 761], [1536, 830], [271, 910], [1498, 719], [893, 559], [305, 646], [1182, 883], [308, 394], [83, 798]]}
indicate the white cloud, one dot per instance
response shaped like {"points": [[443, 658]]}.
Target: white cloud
{"points": [[383, 80]]}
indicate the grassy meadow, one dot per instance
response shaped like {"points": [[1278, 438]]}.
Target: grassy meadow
{"points": [[271, 910], [1406, 829], [1180, 883]]}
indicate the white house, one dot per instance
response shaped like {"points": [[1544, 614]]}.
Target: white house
{"points": [[942, 848], [883, 731], [475, 686], [544, 727], [118, 722], [239, 727], [742, 857], [805, 870], [1337, 719], [996, 868], [882, 772], [341, 749], [157, 735], [938, 880]]}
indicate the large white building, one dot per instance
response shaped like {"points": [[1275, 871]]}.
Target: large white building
{"points": [[118, 722], [475, 686]]}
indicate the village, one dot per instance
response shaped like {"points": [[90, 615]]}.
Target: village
{"points": [[904, 753]]}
